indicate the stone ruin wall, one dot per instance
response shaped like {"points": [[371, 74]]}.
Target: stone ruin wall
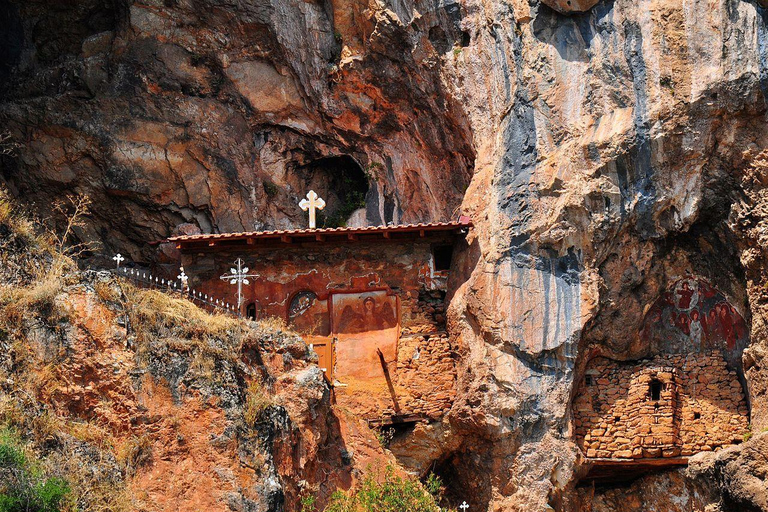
{"points": [[701, 407], [424, 374], [425, 365]]}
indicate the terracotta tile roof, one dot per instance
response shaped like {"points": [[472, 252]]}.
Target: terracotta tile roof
{"points": [[462, 223]]}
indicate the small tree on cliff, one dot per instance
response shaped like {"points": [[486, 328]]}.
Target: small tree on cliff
{"points": [[390, 493]]}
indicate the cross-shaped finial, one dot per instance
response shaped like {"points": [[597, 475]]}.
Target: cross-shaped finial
{"points": [[183, 277], [238, 276], [464, 506], [312, 202], [118, 259]]}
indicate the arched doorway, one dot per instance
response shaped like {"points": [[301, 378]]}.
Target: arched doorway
{"points": [[252, 311]]}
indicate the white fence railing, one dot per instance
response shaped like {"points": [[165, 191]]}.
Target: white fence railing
{"points": [[145, 279]]}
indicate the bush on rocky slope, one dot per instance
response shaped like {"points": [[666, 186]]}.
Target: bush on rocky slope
{"points": [[24, 487], [389, 493]]}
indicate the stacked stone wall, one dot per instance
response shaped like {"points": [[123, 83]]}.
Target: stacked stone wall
{"points": [[425, 366], [426, 374], [700, 407]]}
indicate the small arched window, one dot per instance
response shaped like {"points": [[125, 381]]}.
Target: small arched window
{"points": [[655, 388], [251, 311]]}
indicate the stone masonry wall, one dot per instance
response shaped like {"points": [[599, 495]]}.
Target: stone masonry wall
{"points": [[700, 407], [425, 365]]}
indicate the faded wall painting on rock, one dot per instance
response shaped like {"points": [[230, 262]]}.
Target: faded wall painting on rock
{"points": [[693, 316], [364, 324], [308, 314]]}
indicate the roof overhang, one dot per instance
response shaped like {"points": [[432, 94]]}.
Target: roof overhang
{"points": [[257, 239]]}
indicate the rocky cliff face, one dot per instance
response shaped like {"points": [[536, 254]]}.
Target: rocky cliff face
{"points": [[604, 150]]}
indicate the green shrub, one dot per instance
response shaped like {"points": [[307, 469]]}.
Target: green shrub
{"points": [[308, 503], [384, 436], [392, 493], [270, 189], [23, 486]]}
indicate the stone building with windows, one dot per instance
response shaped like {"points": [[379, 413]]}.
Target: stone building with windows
{"points": [[667, 406], [687, 398], [371, 302]]}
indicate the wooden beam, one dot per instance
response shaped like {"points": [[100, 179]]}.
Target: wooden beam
{"points": [[386, 234], [422, 233]]}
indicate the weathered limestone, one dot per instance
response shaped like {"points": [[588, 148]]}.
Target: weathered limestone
{"points": [[603, 152], [570, 6]]}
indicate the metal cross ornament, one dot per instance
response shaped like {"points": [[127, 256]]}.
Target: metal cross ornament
{"points": [[312, 202], [238, 275], [118, 258], [184, 278], [464, 506]]}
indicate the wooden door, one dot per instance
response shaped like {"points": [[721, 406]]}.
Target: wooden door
{"points": [[323, 347]]}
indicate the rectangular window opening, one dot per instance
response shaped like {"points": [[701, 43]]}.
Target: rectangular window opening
{"points": [[655, 389], [442, 256]]}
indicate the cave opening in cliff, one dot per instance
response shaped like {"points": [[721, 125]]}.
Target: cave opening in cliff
{"points": [[462, 478], [343, 184]]}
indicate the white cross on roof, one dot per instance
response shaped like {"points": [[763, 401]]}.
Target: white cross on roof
{"points": [[312, 202]]}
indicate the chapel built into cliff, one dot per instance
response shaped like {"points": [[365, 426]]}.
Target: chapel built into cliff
{"points": [[687, 398], [371, 301]]}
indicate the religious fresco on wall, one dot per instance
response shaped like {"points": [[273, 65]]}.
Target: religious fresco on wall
{"points": [[309, 315], [364, 324], [693, 317]]}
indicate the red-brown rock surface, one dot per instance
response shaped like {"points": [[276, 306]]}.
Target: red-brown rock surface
{"points": [[602, 155]]}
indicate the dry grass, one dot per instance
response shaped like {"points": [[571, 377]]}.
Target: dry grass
{"points": [[91, 433], [154, 311], [100, 496], [11, 411], [91, 486], [8, 146], [17, 303], [256, 400], [92, 491], [89, 456], [163, 323], [19, 223], [46, 382], [108, 291], [275, 323], [134, 453], [204, 364], [46, 427]]}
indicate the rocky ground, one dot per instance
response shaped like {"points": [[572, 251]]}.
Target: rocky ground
{"points": [[141, 401], [603, 149]]}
